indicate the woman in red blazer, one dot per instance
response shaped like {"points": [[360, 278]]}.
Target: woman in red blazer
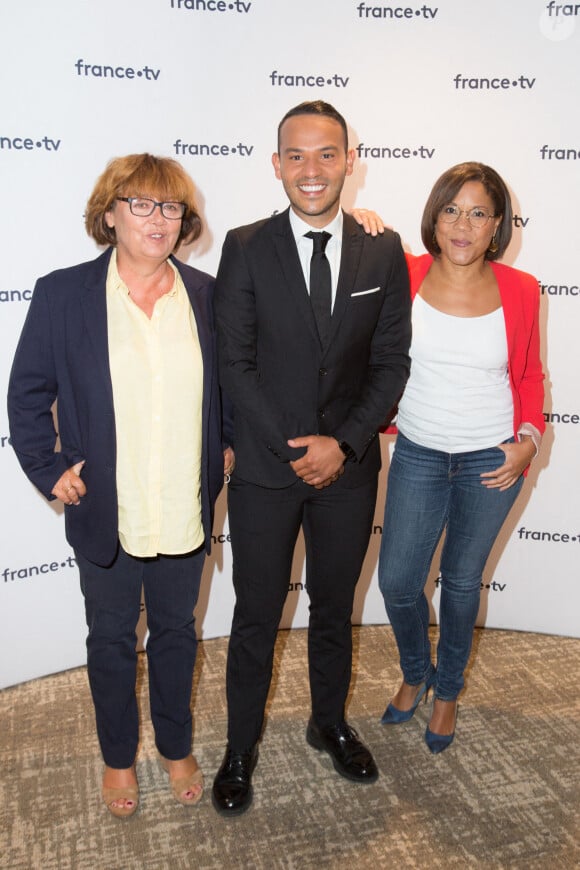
{"points": [[470, 422]]}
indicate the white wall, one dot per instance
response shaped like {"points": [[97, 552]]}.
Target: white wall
{"points": [[453, 81]]}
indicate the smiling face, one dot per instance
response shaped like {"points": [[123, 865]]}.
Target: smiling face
{"points": [[151, 238], [460, 243], [312, 164]]}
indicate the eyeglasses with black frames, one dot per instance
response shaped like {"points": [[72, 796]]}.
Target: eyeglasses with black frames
{"points": [[141, 206], [477, 217]]}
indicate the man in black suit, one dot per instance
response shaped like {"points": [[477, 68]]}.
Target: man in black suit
{"points": [[313, 339]]}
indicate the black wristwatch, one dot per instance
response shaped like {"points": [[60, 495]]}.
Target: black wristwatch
{"points": [[348, 451]]}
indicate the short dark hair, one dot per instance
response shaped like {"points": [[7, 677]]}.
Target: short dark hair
{"points": [[446, 189], [141, 175], [315, 107]]}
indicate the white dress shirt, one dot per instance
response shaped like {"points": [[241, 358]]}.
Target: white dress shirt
{"points": [[332, 251]]}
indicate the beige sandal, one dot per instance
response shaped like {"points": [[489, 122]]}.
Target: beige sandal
{"points": [[130, 794], [181, 785]]}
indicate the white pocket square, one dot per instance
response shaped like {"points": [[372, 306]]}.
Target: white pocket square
{"points": [[365, 292]]}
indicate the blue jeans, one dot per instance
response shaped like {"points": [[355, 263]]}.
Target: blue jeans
{"points": [[429, 491]]}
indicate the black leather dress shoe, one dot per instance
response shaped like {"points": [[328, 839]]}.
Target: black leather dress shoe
{"points": [[232, 791], [349, 756]]}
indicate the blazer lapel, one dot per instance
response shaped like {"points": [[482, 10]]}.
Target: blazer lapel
{"points": [[203, 327], [287, 254], [94, 305], [352, 245], [204, 337]]}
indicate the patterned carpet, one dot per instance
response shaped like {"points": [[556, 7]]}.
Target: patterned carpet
{"points": [[506, 794]]}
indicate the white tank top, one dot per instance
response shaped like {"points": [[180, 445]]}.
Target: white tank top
{"points": [[458, 396]]}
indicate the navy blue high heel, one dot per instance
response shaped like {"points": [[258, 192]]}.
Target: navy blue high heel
{"points": [[439, 742], [394, 716]]}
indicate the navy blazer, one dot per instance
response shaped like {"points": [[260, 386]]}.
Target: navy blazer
{"points": [[63, 354], [282, 383]]}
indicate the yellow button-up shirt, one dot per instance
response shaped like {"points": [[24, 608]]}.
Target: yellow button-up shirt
{"points": [[157, 374]]}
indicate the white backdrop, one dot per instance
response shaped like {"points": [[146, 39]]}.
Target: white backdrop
{"points": [[206, 81]]}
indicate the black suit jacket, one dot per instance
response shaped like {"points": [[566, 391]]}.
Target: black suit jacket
{"points": [[63, 354], [280, 380]]}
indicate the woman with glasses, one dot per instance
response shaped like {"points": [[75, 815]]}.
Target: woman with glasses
{"points": [[469, 423], [125, 344]]}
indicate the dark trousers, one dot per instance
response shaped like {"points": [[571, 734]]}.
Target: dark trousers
{"points": [[264, 524], [112, 604]]}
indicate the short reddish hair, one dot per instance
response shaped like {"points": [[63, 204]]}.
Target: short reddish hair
{"points": [[141, 175]]}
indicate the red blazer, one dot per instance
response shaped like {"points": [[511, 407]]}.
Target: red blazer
{"points": [[520, 296]]}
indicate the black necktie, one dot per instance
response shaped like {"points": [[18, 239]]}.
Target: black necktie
{"points": [[320, 284]]}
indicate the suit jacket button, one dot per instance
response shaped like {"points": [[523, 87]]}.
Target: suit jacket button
{"points": [[322, 372], [321, 413]]}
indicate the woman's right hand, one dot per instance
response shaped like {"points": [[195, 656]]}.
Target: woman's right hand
{"points": [[69, 488]]}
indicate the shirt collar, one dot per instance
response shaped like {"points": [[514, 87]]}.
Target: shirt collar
{"points": [[300, 227], [116, 281], [119, 285]]}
